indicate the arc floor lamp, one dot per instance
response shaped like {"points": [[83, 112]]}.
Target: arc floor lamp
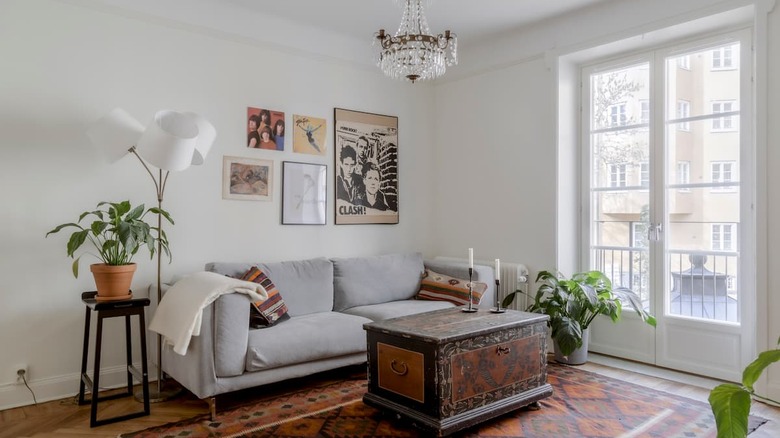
{"points": [[171, 142]]}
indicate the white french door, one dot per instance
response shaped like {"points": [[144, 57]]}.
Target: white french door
{"points": [[666, 208]]}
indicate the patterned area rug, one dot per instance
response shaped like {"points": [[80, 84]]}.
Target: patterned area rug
{"points": [[583, 404]]}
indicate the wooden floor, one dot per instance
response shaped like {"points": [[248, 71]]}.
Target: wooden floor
{"points": [[64, 418]]}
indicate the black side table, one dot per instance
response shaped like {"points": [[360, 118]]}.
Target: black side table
{"points": [[111, 309]]}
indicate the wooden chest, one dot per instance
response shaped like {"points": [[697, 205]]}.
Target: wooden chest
{"points": [[447, 370]]}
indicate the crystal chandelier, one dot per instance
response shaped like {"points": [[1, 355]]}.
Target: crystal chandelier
{"points": [[413, 53]]}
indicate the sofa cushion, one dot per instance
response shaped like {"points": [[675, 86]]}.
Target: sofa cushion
{"points": [[307, 284], [440, 287], [304, 339], [266, 313], [363, 281], [395, 309]]}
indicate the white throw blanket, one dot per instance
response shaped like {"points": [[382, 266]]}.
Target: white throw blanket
{"points": [[180, 311]]}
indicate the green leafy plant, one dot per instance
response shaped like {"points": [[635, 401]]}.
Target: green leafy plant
{"points": [[574, 303], [731, 403], [117, 233]]}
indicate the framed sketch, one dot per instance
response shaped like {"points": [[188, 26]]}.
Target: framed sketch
{"points": [[247, 179], [366, 156], [309, 135], [304, 196], [265, 129]]}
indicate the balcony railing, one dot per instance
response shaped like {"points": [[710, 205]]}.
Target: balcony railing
{"points": [[701, 284]]}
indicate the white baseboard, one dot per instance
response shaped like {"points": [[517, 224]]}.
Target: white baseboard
{"points": [[14, 395]]}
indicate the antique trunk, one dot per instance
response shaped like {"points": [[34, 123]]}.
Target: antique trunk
{"points": [[447, 370]]}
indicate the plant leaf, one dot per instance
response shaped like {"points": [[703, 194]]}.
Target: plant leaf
{"points": [[753, 371], [59, 227], [567, 333], [135, 213], [731, 406], [75, 267], [162, 212], [76, 239]]}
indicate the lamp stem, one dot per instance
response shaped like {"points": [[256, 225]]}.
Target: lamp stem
{"points": [[159, 187]]}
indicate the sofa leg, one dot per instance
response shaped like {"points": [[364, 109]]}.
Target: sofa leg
{"points": [[212, 401]]}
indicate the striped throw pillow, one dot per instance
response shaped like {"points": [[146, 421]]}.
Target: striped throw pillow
{"points": [[267, 312], [440, 287]]}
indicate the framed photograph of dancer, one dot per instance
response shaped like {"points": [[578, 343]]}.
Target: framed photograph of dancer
{"points": [[366, 163], [309, 134], [304, 198]]}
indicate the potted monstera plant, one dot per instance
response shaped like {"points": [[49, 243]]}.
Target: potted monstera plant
{"points": [[573, 304], [117, 231]]}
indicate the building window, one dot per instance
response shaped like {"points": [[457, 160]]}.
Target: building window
{"points": [[644, 111], [722, 172], [725, 123], [722, 58], [683, 112], [639, 235], [617, 175], [723, 237], [644, 174], [684, 174], [684, 62], [617, 115]]}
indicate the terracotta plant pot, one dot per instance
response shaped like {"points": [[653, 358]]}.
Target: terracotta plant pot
{"points": [[113, 282]]}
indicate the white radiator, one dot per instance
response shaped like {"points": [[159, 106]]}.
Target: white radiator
{"points": [[514, 276]]}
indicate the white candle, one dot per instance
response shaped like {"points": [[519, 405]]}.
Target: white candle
{"points": [[498, 269], [471, 258]]}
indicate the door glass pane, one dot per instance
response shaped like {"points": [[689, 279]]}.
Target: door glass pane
{"points": [[621, 177], [703, 186]]}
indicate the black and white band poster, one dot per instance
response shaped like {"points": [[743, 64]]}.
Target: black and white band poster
{"points": [[366, 153]]}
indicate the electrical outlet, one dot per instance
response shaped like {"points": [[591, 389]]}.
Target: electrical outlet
{"points": [[21, 370]]}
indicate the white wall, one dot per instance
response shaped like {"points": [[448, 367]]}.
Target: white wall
{"points": [[64, 66], [495, 153]]}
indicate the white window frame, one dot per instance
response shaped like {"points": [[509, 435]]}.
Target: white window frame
{"points": [[719, 124], [718, 234]]}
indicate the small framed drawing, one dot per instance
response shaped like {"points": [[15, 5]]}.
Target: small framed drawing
{"points": [[304, 198], [247, 179]]}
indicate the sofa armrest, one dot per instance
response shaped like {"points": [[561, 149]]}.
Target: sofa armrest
{"points": [[231, 334]]}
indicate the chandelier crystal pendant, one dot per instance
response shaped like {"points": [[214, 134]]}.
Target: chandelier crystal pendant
{"points": [[413, 53]]}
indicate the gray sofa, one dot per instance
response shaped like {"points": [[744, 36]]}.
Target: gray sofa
{"points": [[329, 300]]}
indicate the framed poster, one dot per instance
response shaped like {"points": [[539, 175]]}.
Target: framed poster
{"points": [[247, 179], [304, 196], [265, 129], [309, 135], [366, 155]]}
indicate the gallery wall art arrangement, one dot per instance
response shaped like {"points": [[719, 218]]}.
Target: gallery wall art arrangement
{"points": [[365, 170]]}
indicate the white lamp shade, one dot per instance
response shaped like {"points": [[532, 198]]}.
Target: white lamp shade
{"points": [[169, 141], [115, 133], [206, 135]]}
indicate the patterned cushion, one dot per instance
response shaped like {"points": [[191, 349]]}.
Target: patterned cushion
{"points": [[440, 287], [270, 311]]}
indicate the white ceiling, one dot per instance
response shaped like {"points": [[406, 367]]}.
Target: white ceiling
{"points": [[472, 20], [343, 30]]}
